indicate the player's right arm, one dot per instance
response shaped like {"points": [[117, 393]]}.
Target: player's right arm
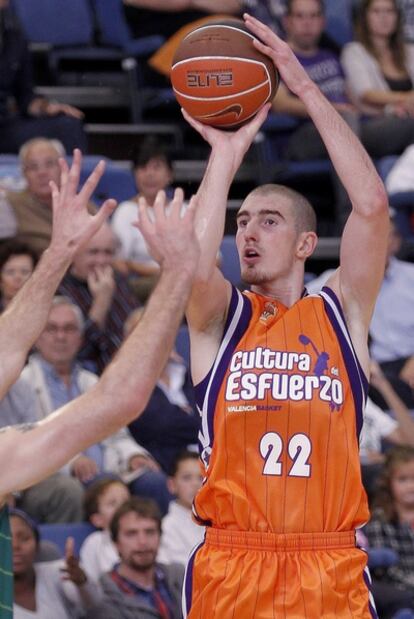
{"points": [[207, 309]]}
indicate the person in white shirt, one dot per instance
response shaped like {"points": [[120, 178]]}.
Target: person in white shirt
{"points": [[180, 533], [98, 553], [153, 172]]}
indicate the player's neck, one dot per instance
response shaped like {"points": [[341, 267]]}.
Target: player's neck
{"points": [[286, 292]]}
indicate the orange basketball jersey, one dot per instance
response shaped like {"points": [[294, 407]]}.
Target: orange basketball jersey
{"points": [[281, 414]]}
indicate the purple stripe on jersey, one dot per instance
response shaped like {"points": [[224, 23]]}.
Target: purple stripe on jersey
{"points": [[188, 581], [358, 381], [211, 384], [372, 608]]}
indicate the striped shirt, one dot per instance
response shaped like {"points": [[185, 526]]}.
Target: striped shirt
{"points": [[100, 345]]}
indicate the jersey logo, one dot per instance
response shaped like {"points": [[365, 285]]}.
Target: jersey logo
{"points": [[270, 311], [321, 364]]}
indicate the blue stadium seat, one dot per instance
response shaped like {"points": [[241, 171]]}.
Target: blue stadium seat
{"points": [[58, 534], [117, 181], [339, 20], [114, 30]]}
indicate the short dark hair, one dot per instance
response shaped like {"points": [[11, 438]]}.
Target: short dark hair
{"points": [[94, 492], [13, 247], [144, 508], [303, 212], [290, 2], [150, 148], [183, 455]]}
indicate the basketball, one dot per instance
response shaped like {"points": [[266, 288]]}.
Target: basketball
{"points": [[219, 77]]}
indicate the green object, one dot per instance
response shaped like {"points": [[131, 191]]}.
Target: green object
{"points": [[6, 566]]}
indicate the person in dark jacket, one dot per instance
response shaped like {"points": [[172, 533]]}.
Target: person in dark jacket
{"points": [[23, 115]]}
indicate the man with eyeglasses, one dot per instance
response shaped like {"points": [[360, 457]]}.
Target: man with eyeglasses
{"points": [[32, 207]]}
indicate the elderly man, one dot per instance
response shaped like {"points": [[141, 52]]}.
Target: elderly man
{"points": [[102, 295], [32, 207]]}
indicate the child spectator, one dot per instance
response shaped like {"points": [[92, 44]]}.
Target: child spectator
{"points": [[391, 525], [98, 553], [179, 532]]}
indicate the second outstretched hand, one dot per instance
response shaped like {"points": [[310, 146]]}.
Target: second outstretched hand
{"points": [[73, 225], [169, 231], [291, 71]]}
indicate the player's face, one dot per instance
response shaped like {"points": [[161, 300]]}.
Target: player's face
{"points": [[153, 177], [41, 165], [304, 24], [113, 497], [266, 239], [187, 481], [23, 544], [61, 337], [382, 18], [402, 485], [138, 541], [15, 272], [97, 254]]}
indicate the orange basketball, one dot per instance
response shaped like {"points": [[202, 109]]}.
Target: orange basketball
{"points": [[219, 77]]}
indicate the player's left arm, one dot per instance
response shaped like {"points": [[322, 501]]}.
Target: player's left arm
{"points": [[365, 237]]}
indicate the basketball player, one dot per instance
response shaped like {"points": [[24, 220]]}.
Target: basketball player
{"points": [[31, 453], [281, 381]]}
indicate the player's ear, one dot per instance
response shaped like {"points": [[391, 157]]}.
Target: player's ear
{"points": [[306, 244]]}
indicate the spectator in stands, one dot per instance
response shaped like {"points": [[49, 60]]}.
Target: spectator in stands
{"points": [[32, 207], [180, 534], [396, 427], [383, 135], [17, 261], [379, 67], [165, 17], [61, 494], [170, 422], [153, 172], [29, 115], [392, 325], [102, 295], [98, 552], [39, 589], [391, 524], [138, 586], [57, 378]]}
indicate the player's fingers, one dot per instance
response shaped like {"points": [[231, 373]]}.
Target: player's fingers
{"points": [[91, 182], [144, 222], [199, 127], [159, 206], [74, 173], [105, 211], [177, 203]]}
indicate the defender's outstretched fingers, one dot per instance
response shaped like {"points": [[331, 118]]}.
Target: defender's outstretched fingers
{"points": [[144, 222], [105, 211], [92, 182], [74, 173], [176, 204], [160, 203]]}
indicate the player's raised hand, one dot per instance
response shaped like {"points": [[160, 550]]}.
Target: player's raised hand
{"points": [[73, 225], [285, 61], [168, 230], [232, 143]]}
